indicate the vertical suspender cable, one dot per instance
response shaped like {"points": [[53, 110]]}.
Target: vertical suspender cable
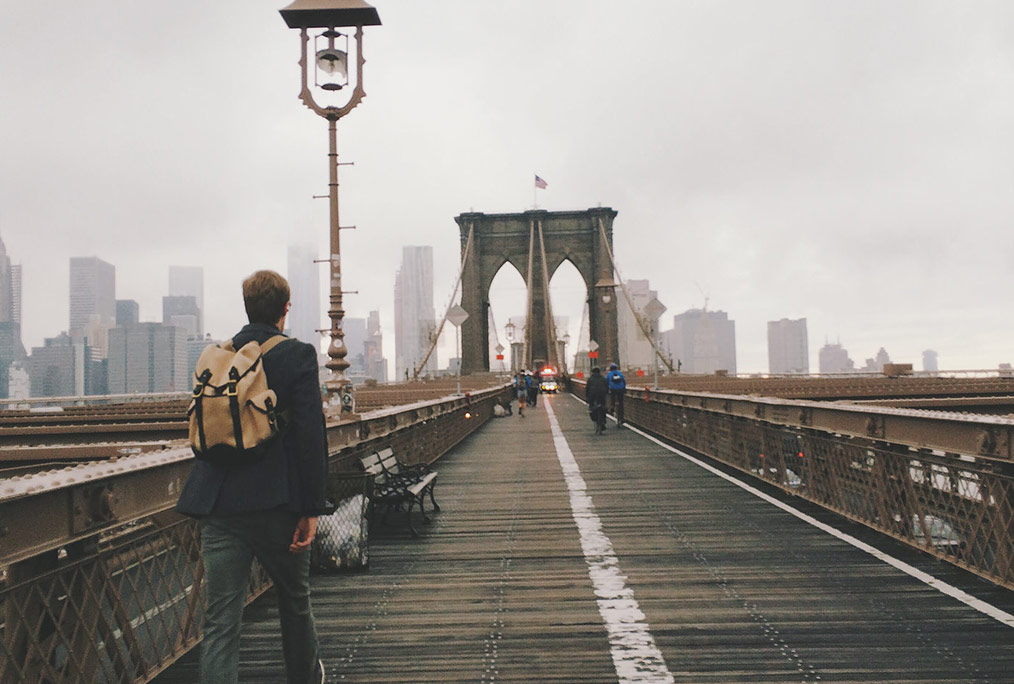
{"points": [[550, 322], [526, 348], [436, 336], [630, 302]]}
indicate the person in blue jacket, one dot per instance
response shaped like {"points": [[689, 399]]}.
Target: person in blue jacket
{"points": [[617, 388]]}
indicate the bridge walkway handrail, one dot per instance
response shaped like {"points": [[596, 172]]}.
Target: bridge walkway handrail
{"points": [[940, 481]]}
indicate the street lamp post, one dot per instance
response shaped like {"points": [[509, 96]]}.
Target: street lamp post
{"points": [[456, 315], [509, 330], [331, 74], [654, 310]]}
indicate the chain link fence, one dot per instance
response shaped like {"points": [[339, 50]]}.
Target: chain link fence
{"points": [[342, 541]]}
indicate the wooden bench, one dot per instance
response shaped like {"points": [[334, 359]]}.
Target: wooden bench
{"points": [[395, 485]]}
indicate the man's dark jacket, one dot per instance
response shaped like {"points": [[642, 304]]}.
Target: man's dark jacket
{"points": [[597, 389], [293, 473]]}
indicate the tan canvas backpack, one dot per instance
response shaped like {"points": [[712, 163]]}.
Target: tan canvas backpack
{"points": [[233, 413]]}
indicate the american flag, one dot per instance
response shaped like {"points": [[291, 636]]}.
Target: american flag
{"points": [[539, 183]]}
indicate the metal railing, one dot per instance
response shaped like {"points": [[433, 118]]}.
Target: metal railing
{"points": [[101, 582], [942, 482]]}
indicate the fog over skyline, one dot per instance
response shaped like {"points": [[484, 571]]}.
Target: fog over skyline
{"points": [[850, 162]]}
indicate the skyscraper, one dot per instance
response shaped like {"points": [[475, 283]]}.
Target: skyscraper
{"points": [[148, 357], [306, 314], [702, 341], [92, 293], [183, 312], [788, 348], [10, 289], [11, 348], [833, 358], [188, 281], [128, 312], [376, 364], [355, 342], [414, 318], [635, 349], [65, 366]]}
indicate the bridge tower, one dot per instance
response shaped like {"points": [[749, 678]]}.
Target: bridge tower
{"points": [[585, 238]]}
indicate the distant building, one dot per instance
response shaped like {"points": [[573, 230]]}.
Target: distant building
{"points": [[635, 349], [11, 348], [128, 312], [19, 386], [306, 315], [11, 351], [877, 363], [148, 357], [355, 341], [183, 312], [65, 367], [833, 358], [92, 293], [10, 288], [414, 317], [702, 341], [929, 361], [194, 348], [188, 281], [788, 348], [373, 352]]}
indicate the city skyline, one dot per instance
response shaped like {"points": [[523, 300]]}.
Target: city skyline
{"points": [[837, 158], [638, 290]]}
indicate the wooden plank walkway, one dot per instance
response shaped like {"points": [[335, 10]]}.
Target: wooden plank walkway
{"points": [[732, 589]]}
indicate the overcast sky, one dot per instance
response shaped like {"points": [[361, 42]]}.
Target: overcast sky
{"points": [[850, 162]]}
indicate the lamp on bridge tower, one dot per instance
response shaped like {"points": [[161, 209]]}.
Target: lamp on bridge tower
{"points": [[330, 77], [510, 330]]}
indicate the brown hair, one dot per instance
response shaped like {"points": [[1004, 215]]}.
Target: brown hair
{"points": [[265, 294]]}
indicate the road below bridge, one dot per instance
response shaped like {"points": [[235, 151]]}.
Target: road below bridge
{"points": [[559, 556]]}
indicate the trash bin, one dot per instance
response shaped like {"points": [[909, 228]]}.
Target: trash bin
{"points": [[342, 541]]}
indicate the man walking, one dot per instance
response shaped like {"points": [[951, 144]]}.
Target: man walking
{"points": [[617, 388], [266, 508], [595, 394], [521, 391]]}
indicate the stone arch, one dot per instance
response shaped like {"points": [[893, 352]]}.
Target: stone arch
{"points": [[501, 238]]}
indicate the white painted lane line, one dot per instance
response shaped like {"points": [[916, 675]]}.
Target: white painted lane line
{"points": [[635, 656], [941, 586]]}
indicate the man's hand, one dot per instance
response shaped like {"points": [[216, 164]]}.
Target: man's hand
{"points": [[306, 530]]}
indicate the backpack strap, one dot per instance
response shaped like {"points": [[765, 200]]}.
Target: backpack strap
{"points": [[199, 407], [272, 342]]}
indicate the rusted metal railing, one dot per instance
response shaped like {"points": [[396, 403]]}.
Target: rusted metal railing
{"points": [[942, 482], [101, 582]]}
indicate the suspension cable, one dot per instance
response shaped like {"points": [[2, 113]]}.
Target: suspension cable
{"points": [[440, 328], [526, 348], [550, 322], [630, 302]]}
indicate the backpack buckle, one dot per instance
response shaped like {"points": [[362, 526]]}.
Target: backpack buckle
{"points": [[230, 390]]}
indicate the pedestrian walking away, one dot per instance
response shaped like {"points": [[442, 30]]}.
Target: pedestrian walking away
{"points": [[595, 392], [533, 389], [617, 388], [262, 504], [521, 391]]}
